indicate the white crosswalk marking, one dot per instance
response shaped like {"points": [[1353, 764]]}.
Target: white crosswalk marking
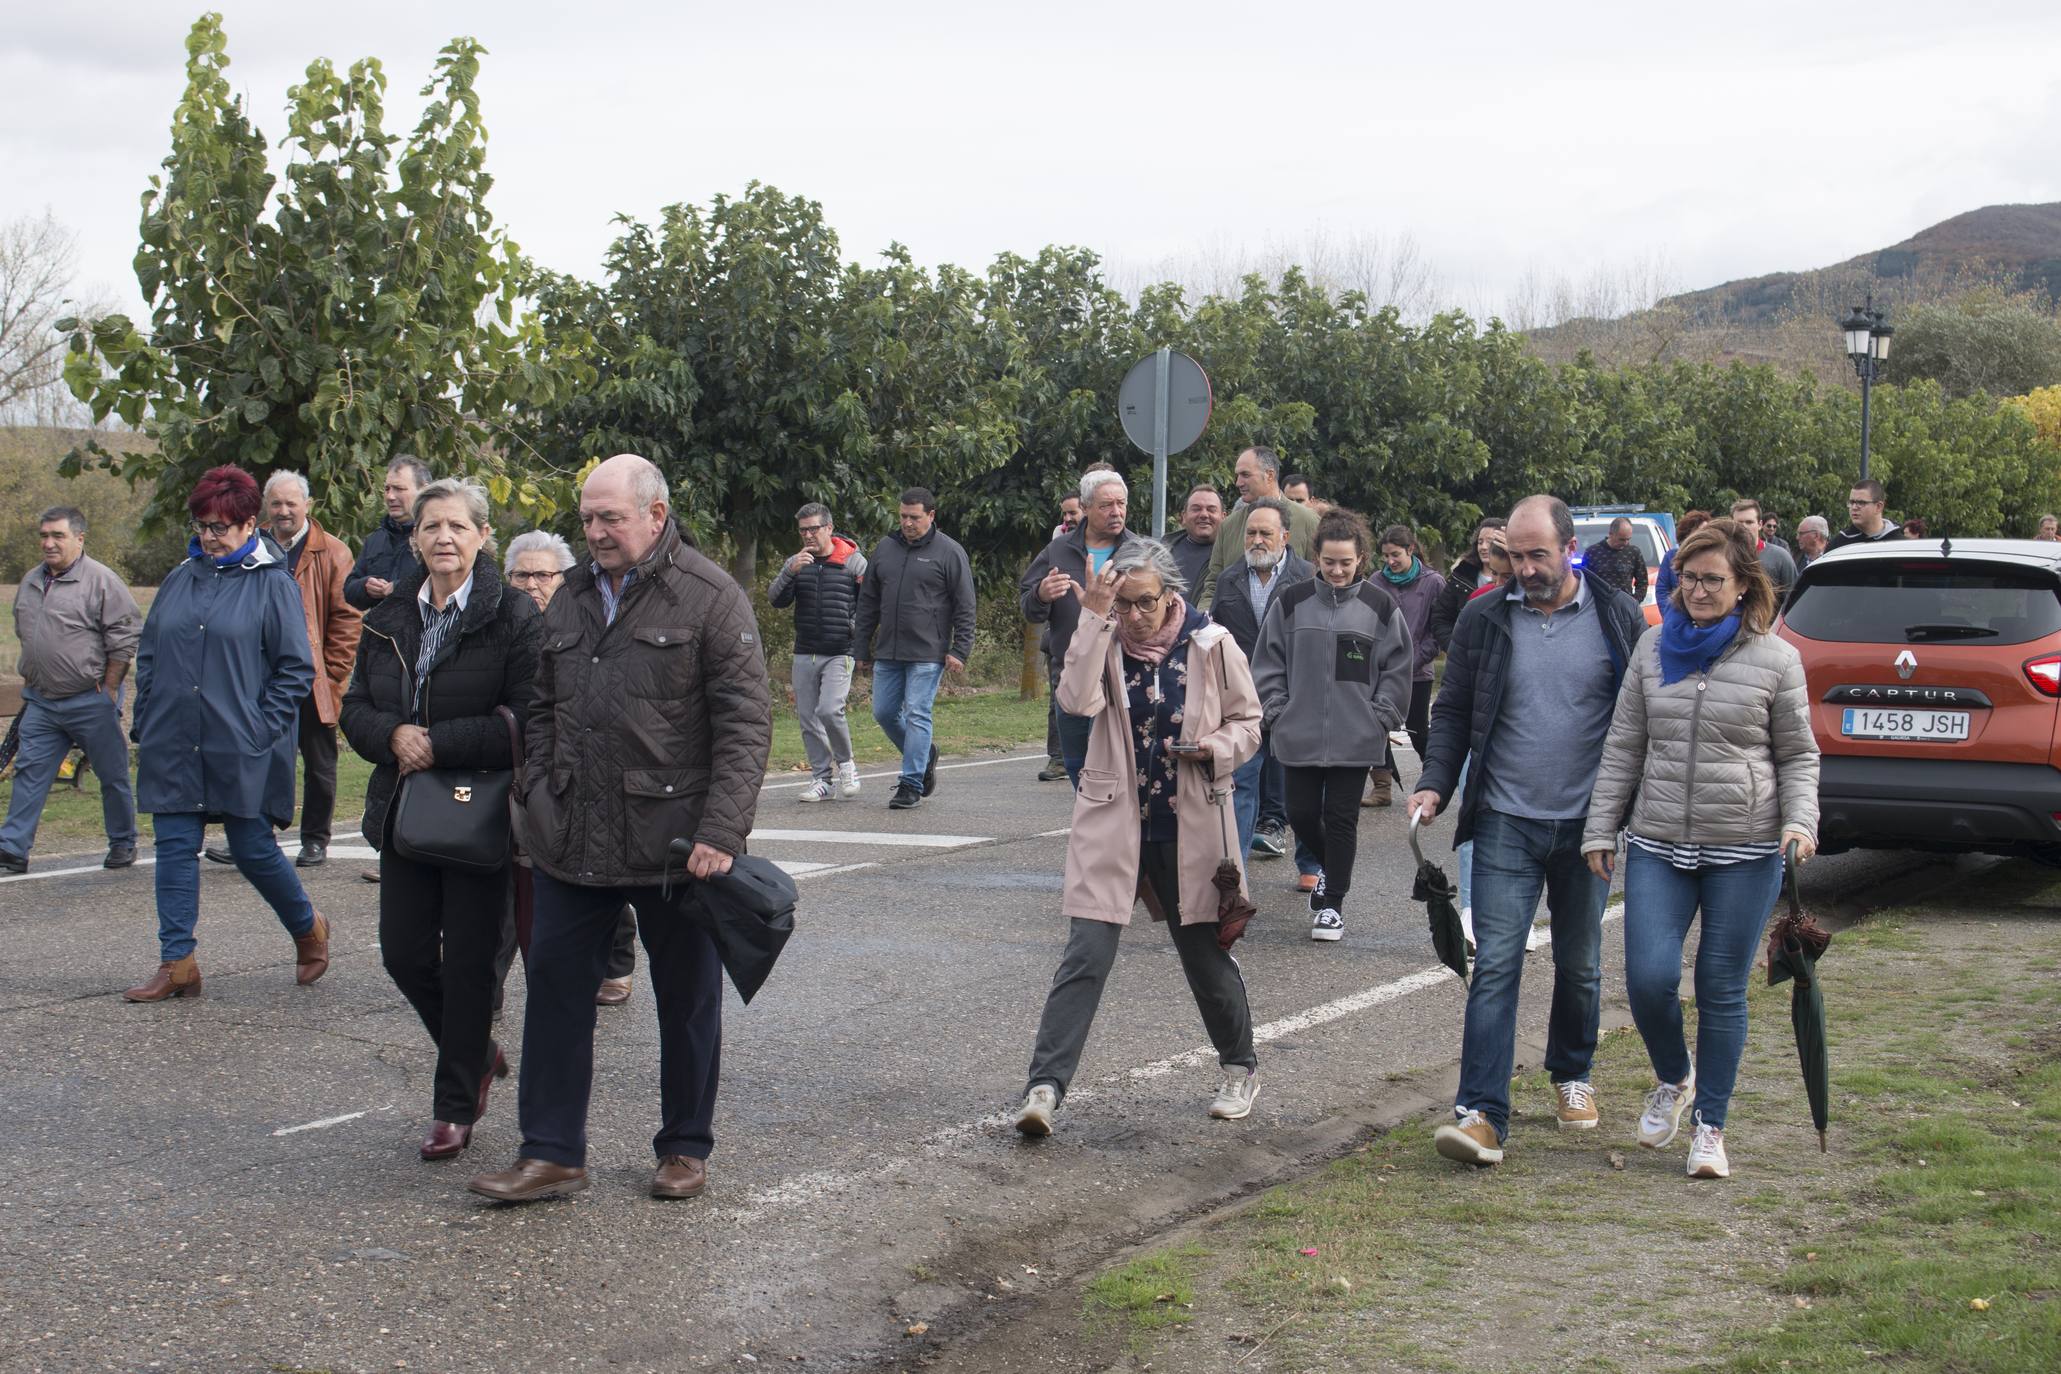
{"points": [[885, 839]]}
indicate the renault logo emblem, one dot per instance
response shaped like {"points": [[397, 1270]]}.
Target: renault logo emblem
{"points": [[1906, 664]]}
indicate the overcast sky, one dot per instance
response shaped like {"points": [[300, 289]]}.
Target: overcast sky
{"points": [[1505, 139]]}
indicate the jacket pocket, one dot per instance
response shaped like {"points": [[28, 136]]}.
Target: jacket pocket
{"points": [[660, 666], [1099, 787], [661, 805], [1354, 659]]}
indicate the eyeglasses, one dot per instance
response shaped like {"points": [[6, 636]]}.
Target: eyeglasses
{"points": [[1852, 502], [213, 529], [523, 579], [811, 529], [1144, 605], [1709, 585]]}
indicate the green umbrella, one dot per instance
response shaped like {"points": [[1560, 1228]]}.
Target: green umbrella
{"points": [[1794, 946], [1435, 890]]}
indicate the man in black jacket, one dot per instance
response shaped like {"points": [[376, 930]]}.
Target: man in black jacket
{"points": [[918, 600], [1192, 547], [1531, 684], [389, 552], [822, 584], [1050, 590]]}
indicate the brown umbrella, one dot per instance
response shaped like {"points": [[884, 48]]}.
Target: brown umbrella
{"points": [[1234, 908]]}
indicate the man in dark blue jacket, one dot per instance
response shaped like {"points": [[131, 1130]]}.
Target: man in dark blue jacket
{"points": [[918, 599], [389, 550], [1049, 593], [1531, 684]]}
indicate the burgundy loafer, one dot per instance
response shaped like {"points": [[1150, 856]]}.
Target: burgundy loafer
{"points": [[445, 1140]]}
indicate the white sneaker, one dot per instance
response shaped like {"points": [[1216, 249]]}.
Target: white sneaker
{"points": [[1327, 924], [1234, 1098], [817, 791], [848, 778], [1664, 1108], [1034, 1117], [1707, 1152], [1467, 924], [1531, 937]]}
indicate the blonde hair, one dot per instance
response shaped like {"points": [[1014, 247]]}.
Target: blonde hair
{"points": [[1757, 597]]}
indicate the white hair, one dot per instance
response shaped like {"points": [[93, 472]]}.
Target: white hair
{"points": [[282, 477], [472, 494], [541, 541], [1814, 524], [1149, 555], [1098, 479]]}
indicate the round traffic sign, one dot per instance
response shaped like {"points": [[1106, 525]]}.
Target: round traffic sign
{"points": [[1187, 406]]}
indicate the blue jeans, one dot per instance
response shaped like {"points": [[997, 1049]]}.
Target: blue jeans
{"points": [[903, 693], [258, 858], [1660, 901], [49, 729], [1247, 803], [1515, 857]]}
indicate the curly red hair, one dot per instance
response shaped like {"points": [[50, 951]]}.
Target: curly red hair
{"points": [[225, 493]]}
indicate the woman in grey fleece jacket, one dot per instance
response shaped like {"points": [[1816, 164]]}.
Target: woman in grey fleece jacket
{"points": [[1332, 666]]}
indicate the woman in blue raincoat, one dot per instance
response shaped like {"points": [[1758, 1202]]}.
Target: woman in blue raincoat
{"points": [[221, 671]]}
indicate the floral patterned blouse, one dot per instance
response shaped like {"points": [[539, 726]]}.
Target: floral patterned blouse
{"points": [[1158, 700]]}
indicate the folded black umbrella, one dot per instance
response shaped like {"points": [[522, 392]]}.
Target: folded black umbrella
{"points": [[1794, 944], [10, 746], [1433, 888], [748, 912]]}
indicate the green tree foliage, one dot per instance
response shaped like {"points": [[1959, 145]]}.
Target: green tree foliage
{"points": [[1984, 342], [362, 306]]}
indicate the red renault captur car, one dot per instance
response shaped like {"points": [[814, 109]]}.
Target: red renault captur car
{"points": [[1935, 683]]}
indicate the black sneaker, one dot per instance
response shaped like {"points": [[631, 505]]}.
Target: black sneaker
{"points": [[119, 856], [905, 797], [219, 854], [12, 863], [930, 774], [313, 855]]}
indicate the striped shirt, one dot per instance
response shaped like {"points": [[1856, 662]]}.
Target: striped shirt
{"points": [[611, 597], [1693, 856], [437, 629]]}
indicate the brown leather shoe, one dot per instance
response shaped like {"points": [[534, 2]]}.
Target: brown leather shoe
{"points": [[370, 875], [445, 1140], [175, 978], [531, 1180], [680, 1176], [614, 991], [311, 952]]}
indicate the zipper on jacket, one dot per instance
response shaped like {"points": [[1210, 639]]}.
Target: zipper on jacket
{"points": [[1689, 784]]}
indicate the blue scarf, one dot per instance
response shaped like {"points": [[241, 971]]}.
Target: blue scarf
{"points": [[250, 546], [1686, 647], [1403, 579]]}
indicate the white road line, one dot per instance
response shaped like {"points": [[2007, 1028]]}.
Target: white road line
{"points": [[896, 772], [820, 871], [883, 838], [326, 1122], [336, 851], [1048, 834]]}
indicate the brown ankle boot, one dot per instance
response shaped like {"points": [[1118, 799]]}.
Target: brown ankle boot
{"points": [[311, 952], [174, 978]]}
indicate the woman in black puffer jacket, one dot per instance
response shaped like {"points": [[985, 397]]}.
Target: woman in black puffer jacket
{"points": [[1461, 583], [450, 645]]}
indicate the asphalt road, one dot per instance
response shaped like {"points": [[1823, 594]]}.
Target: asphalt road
{"points": [[232, 1184]]}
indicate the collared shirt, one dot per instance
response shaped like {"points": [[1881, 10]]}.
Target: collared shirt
{"points": [[611, 599], [437, 629], [297, 546], [1557, 702], [1260, 592]]}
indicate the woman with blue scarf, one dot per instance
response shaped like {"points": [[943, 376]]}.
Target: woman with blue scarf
{"points": [[221, 671], [1711, 750]]}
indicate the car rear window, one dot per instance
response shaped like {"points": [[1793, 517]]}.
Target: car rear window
{"points": [[1645, 537], [1925, 600]]}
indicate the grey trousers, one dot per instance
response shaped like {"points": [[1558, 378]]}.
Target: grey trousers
{"points": [[822, 682], [1084, 971]]}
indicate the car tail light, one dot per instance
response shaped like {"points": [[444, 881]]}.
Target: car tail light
{"points": [[2045, 675]]}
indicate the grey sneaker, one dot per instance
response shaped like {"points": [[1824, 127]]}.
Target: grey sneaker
{"points": [[817, 791], [1235, 1097], [1707, 1152], [1034, 1117], [1664, 1108], [1267, 844]]}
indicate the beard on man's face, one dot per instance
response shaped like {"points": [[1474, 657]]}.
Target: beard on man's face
{"points": [[1542, 584], [1263, 558]]}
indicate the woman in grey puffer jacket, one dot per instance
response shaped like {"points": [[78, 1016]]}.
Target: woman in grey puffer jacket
{"points": [[1713, 734]]}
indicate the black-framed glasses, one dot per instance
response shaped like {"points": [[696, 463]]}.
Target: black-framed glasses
{"points": [[1144, 605], [214, 529], [1709, 583], [523, 579], [812, 529]]}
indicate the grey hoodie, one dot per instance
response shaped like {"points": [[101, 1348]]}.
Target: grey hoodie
{"points": [[1333, 668]]}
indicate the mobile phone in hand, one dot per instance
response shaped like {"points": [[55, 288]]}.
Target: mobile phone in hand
{"points": [[1183, 746]]}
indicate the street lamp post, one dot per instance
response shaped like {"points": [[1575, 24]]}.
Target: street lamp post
{"points": [[1867, 343]]}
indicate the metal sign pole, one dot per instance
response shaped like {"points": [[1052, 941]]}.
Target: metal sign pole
{"points": [[1163, 360]]}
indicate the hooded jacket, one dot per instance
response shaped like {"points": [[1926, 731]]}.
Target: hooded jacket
{"points": [[1417, 599], [825, 597], [1333, 674], [388, 553], [222, 667], [490, 662], [918, 599]]}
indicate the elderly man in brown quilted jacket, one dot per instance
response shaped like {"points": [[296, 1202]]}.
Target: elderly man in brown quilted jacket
{"points": [[652, 722]]}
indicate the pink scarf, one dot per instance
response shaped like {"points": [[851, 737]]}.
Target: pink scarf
{"points": [[1153, 649]]}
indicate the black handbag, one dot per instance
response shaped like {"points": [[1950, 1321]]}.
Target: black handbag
{"points": [[459, 818]]}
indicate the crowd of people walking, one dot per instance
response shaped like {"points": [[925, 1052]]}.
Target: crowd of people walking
{"points": [[1234, 693]]}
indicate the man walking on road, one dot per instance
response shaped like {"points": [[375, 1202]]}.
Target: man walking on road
{"points": [[1049, 593], [1531, 684], [651, 722], [1191, 548], [77, 626], [1617, 560], [822, 584], [917, 600], [1774, 559], [1864, 506], [1258, 474]]}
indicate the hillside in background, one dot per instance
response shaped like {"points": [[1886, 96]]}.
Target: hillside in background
{"points": [[1791, 319]]}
